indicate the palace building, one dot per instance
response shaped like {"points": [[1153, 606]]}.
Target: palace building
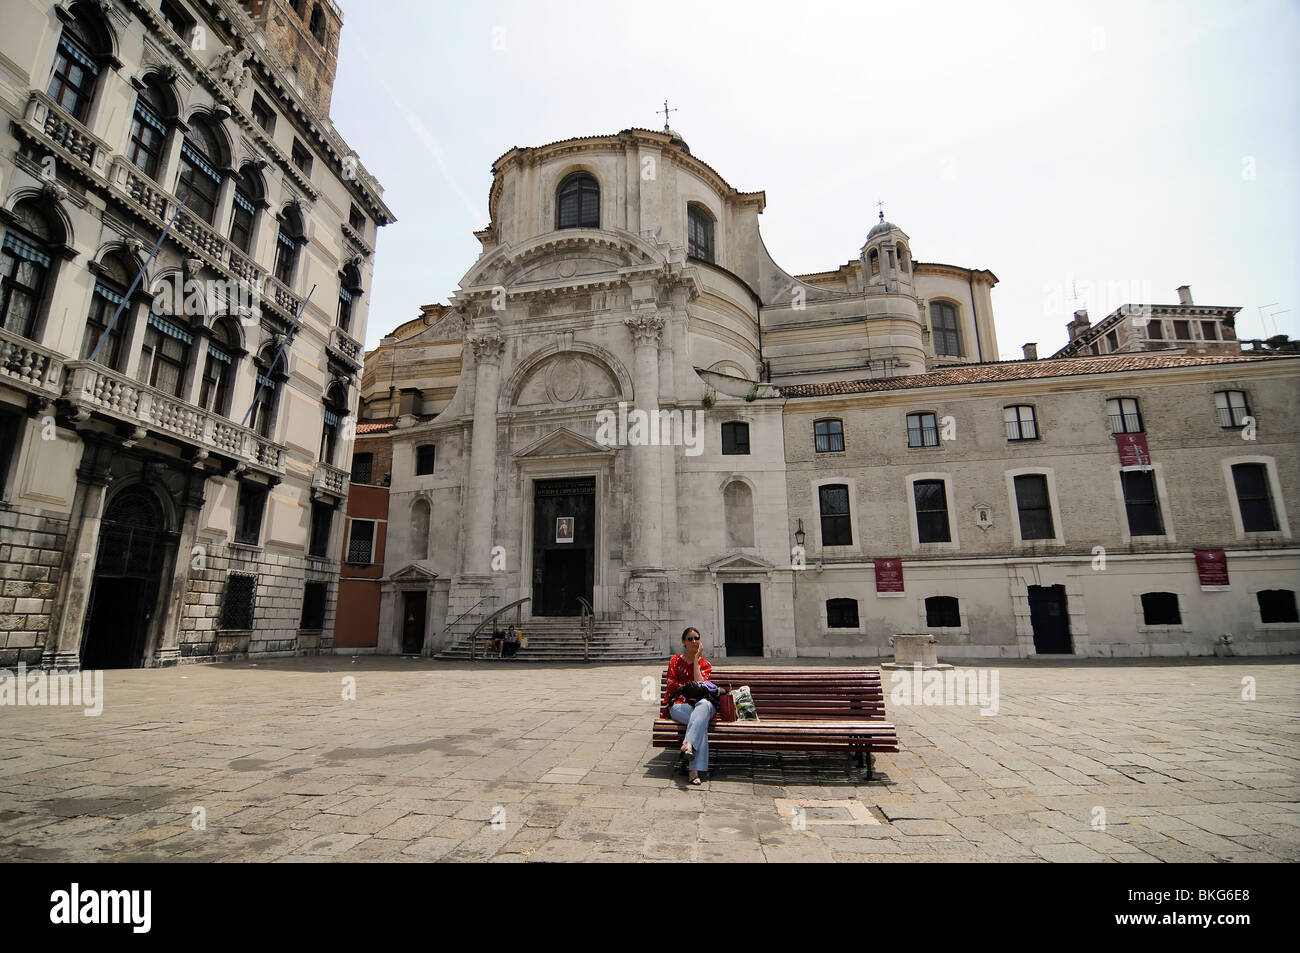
{"points": [[176, 402], [866, 466]]}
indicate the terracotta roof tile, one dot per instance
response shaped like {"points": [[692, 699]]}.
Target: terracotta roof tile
{"points": [[1015, 371]]}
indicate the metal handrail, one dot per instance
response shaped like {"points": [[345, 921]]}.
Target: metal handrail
{"points": [[637, 611], [473, 636], [588, 627], [447, 628]]}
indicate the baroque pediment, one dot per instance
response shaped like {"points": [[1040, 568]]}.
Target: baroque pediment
{"points": [[739, 562], [567, 378], [413, 573]]}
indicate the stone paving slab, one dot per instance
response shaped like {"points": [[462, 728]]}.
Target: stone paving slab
{"points": [[1128, 761]]}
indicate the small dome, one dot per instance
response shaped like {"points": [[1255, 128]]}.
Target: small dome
{"points": [[675, 138], [881, 227]]}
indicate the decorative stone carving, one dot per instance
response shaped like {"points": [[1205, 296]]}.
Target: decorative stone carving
{"points": [[487, 347], [646, 329], [231, 70]]}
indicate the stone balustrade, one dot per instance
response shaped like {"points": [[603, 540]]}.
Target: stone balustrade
{"points": [[33, 368], [330, 479], [42, 116], [92, 388]]}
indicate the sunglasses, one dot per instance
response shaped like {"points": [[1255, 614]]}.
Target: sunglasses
{"points": [[695, 638]]}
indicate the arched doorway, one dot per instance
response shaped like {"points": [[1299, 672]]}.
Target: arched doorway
{"points": [[128, 568]]}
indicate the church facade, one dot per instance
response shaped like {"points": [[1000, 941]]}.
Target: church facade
{"points": [[629, 407]]}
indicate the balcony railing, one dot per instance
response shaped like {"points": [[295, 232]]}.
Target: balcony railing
{"points": [[346, 345], [91, 387], [52, 123], [330, 479], [274, 291], [32, 367]]}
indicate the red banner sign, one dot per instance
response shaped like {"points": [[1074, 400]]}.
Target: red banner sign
{"points": [[1212, 569], [1133, 450], [889, 576]]}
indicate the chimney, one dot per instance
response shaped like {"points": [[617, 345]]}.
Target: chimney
{"points": [[1184, 294], [1080, 323], [1031, 351]]}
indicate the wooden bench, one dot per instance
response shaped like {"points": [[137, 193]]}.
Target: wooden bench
{"points": [[799, 710]]}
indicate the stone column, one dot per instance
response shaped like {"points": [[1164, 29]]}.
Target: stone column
{"points": [[73, 597], [168, 652], [476, 546], [647, 480]]}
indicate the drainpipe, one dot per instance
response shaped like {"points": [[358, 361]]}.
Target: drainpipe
{"points": [[979, 351]]}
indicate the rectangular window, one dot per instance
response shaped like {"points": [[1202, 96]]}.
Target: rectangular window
{"points": [[922, 430], [828, 436], [302, 158], [357, 220], [313, 606], [931, 511], [1112, 341], [23, 285], [841, 613], [836, 525], [361, 542], [361, 466], [164, 355], [1253, 498], [1183, 330], [942, 612], [1124, 415], [1020, 422], [1232, 409], [263, 114], [11, 425], [1155, 330], [424, 459], [177, 20], [248, 513], [237, 601], [322, 521], [241, 222], [1277, 605], [1141, 504], [1034, 506], [735, 438], [1210, 330], [1161, 608]]}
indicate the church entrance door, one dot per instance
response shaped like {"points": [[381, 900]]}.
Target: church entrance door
{"points": [[564, 545], [742, 618]]}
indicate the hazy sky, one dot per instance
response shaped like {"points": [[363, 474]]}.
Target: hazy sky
{"points": [[1126, 147]]}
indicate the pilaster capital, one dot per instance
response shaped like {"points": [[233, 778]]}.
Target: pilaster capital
{"points": [[487, 347], [646, 329]]}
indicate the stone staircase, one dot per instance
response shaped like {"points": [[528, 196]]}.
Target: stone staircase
{"points": [[560, 640]]}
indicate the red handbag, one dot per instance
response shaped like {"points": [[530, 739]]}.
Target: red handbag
{"points": [[726, 707]]}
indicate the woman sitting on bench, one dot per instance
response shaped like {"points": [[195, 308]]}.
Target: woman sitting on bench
{"points": [[683, 669]]}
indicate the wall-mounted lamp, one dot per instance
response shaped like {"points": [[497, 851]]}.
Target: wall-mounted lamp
{"points": [[799, 534]]}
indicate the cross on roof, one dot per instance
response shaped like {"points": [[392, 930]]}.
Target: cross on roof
{"points": [[880, 204], [666, 111]]}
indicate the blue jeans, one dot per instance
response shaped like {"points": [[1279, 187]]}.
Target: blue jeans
{"points": [[696, 719]]}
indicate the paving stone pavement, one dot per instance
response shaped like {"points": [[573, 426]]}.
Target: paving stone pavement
{"points": [[1097, 761]]}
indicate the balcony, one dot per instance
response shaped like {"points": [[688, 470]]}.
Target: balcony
{"points": [[345, 346], [45, 123], [31, 367], [280, 297], [91, 388], [329, 479]]}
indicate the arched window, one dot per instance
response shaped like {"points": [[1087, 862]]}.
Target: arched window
{"points": [[24, 268], [738, 512], [420, 515], [261, 418], [243, 215], [165, 353], [349, 291], [199, 182], [873, 258], [82, 46], [577, 202], [218, 370], [699, 232], [111, 283], [287, 242], [336, 408], [943, 325], [148, 144], [903, 258]]}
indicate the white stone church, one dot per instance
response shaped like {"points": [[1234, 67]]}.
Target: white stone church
{"points": [[865, 465]]}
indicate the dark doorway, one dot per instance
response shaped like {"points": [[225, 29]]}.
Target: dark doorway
{"points": [[562, 571], [413, 615], [1050, 617], [128, 569], [742, 618]]}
